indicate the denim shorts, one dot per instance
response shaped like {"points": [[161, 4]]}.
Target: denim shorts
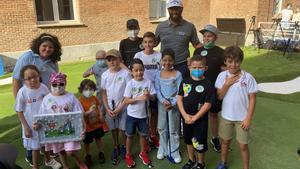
{"points": [[132, 123]]}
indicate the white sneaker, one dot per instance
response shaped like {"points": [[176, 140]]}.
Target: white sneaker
{"points": [[53, 164], [160, 156], [177, 160]]}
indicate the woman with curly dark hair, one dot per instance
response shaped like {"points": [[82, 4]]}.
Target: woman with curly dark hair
{"points": [[45, 53]]}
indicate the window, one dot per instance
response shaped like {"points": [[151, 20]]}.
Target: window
{"points": [[55, 11], [277, 6], [158, 10]]}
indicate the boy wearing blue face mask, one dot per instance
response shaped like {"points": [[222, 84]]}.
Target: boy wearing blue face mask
{"points": [[215, 62], [195, 96], [97, 69]]}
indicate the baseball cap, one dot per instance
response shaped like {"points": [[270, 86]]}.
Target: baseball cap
{"points": [[58, 78], [209, 28], [132, 24], [114, 53], [172, 3]]}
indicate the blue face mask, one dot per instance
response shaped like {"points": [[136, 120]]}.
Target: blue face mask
{"points": [[101, 63], [197, 73]]}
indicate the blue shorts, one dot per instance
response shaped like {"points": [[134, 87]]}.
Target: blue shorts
{"points": [[132, 123]]}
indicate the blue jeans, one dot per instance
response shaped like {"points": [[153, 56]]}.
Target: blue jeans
{"points": [[173, 128]]}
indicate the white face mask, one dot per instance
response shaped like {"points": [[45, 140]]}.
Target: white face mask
{"points": [[133, 33], [58, 90], [88, 93]]}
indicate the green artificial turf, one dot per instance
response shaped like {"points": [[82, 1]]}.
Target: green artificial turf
{"points": [[275, 131]]}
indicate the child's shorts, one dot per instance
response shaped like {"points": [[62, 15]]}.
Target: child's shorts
{"points": [[67, 146], [198, 132], [95, 134], [31, 143], [132, 123], [117, 123], [227, 127]]}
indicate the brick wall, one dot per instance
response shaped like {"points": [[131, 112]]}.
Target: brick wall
{"points": [[104, 20]]}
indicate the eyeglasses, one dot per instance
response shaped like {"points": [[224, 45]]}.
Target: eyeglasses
{"points": [[58, 84], [31, 78]]}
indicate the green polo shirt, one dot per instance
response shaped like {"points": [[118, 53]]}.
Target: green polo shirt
{"points": [[177, 37]]}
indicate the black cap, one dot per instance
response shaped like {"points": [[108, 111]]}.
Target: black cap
{"points": [[132, 24]]}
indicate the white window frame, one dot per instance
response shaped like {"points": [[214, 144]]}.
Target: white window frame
{"points": [[158, 18], [56, 20]]}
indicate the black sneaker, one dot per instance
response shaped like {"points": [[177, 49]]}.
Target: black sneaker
{"points": [[29, 161], [101, 158], [88, 160], [199, 166], [215, 142], [189, 165]]}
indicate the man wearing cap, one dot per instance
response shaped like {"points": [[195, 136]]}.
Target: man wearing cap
{"points": [[131, 45], [215, 62], [176, 33]]}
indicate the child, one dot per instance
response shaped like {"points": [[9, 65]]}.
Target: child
{"points": [[137, 92], [194, 101], [97, 70], [167, 83], [238, 90], [215, 62], [113, 83], [131, 45], [93, 117], [150, 59], [28, 102], [60, 101]]}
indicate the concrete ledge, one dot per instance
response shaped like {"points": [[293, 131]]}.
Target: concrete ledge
{"points": [[76, 52]]}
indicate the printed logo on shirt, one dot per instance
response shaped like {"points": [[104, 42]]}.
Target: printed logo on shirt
{"points": [[186, 89], [135, 90], [154, 66], [120, 79], [33, 100], [199, 88], [61, 108], [181, 33], [204, 53]]}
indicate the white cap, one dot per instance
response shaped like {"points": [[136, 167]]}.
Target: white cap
{"points": [[209, 28], [172, 3]]}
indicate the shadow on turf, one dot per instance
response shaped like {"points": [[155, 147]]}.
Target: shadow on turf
{"points": [[10, 128]]}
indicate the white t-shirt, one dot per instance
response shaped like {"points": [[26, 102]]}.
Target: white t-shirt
{"points": [[134, 89], [60, 104], [115, 84], [236, 100], [286, 15], [151, 63], [29, 102]]}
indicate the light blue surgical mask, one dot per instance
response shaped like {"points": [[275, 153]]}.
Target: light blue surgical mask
{"points": [[101, 63], [197, 73]]}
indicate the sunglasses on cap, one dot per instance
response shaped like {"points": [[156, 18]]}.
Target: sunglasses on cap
{"points": [[58, 84]]}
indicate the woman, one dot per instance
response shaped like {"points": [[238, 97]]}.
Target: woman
{"points": [[45, 53]]}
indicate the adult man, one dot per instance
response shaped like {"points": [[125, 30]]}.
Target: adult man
{"points": [[176, 33]]}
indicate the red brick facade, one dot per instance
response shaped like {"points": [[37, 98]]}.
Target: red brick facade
{"points": [[104, 20]]}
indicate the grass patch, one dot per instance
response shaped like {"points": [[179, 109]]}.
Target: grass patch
{"points": [[275, 124], [6, 76]]}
